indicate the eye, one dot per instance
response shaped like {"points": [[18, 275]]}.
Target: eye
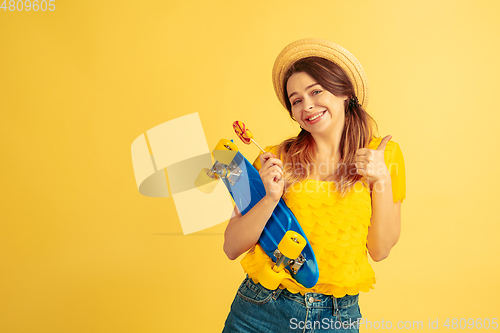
{"points": [[315, 92], [296, 102]]}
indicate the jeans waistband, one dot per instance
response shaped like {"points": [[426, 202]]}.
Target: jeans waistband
{"points": [[311, 300], [321, 300]]}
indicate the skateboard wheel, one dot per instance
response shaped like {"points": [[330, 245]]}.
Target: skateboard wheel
{"points": [[204, 182], [225, 144], [269, 278], [225, 151], [292, 244]]}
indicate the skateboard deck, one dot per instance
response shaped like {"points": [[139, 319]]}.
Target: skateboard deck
{"points": [[245, 186]]}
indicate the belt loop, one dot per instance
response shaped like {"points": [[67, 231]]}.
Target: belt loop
{"points": [[334, 306], [276, 293]]}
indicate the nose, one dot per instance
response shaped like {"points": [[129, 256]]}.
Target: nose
{"points": [[308, 104]]}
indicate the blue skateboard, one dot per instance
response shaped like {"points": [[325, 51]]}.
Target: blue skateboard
{"points": [[282, 239]]}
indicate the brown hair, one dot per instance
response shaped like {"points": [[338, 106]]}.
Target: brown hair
{"points": [[359, 127]]}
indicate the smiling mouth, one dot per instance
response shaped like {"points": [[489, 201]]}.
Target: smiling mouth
{"points": [[316, 116]]}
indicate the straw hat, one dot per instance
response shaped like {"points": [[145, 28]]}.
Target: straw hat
{"points": [[304, 48]]}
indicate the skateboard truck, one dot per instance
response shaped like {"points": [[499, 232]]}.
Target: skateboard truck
{"points": [[294, 264], [224, 167], [232, 171], [288, 252]]}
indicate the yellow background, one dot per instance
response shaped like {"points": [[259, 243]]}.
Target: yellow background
{"points": [[82, 251]]}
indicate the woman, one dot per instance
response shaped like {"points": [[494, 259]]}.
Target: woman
{"points": [[344, 186]]}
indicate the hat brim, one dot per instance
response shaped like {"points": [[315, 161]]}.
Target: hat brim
{"points": [[304, 48]]}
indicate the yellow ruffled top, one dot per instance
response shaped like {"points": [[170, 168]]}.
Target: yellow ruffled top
{"points": [[336, 227]]}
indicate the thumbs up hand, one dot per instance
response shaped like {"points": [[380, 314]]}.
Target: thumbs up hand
{"points": [[370, 162]]}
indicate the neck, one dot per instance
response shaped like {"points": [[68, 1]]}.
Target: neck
{"points": [[328, 145]]}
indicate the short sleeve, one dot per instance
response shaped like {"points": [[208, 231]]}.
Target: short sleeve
{"points": [[396, 165], [271, 149]]}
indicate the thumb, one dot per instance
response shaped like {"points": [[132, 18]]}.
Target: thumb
{"points": [[383, 143]]}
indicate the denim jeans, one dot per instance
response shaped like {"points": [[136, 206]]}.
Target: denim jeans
{"points": [[257, 309]]}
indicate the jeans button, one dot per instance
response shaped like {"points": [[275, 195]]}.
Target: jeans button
{"points": [[311, 299]]}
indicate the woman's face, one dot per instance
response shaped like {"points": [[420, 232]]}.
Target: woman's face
{"points": [[315, 109]]}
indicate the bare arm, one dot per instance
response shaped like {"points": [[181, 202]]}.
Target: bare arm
{"points": [[385, 223], [243, 231], [385, 227]]}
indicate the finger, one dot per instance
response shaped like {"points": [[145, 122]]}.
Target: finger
{"points": [[277, 162], [270, 161], [264, 157], [273, 173], [274, 161], [277, 169], [269, 170], [360, 165], [363, 152], [275, 176], [360, 171], [276, 173], [366, 159], [383, 143]]}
